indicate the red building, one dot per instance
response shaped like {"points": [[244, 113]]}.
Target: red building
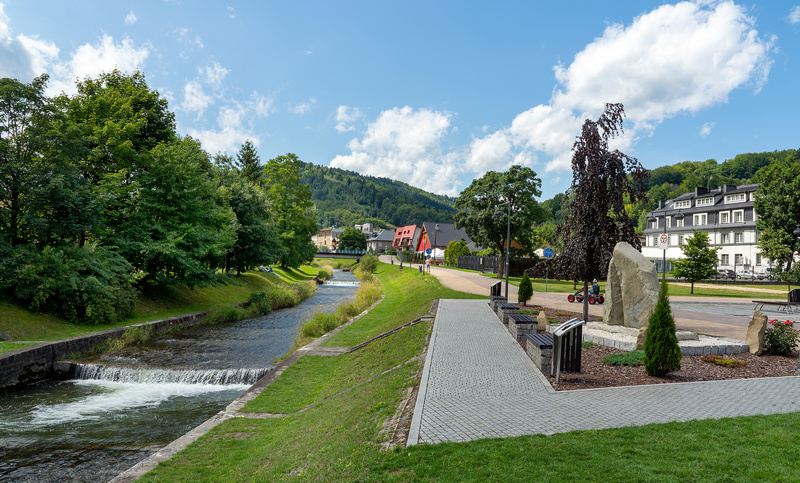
{"points": [[406, 238]]}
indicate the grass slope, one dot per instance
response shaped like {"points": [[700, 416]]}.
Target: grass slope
{"points": [[21, 324], [338, 439]]}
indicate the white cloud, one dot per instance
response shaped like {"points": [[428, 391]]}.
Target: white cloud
{"points": [[90, 60], [794, 15], [705, 130], [303, 107], [231, 12], [184, 38], [405, 144], [195, 99], [234, 125], [130, 19], [23, 57], [215, 74], [345, 117], [675, 59]]}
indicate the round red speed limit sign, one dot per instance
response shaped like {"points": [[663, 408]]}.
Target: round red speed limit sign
{"points": [[663, 241]]}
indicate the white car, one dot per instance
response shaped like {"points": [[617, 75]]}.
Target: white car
{"points": [[746, 274]]}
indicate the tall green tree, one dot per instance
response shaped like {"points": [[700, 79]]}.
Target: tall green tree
{"points": [[352, 239], [603, 182], [700, 260], [777, 203], [294, 215], [182, 227], [476, 205], [454, 250], [249, 163]]}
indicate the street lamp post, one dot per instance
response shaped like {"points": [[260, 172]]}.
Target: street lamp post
{"points": [[435, 232], [498, 212]]}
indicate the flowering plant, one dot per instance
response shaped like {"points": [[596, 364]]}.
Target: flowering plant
{"points": [[780, 337]]}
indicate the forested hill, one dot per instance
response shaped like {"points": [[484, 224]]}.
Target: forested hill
{"points": [[344, 198]]}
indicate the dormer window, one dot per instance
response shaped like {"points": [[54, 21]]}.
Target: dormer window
{"points": [[705, 201], [683, 204], [735, 198]]}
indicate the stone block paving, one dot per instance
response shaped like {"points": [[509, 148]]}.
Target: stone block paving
{"points": [[478, 383]]}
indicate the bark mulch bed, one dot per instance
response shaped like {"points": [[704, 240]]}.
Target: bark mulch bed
{"points": [[594, 373]]}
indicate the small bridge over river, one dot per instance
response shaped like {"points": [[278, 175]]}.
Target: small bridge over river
{"points": [[341, 253]]}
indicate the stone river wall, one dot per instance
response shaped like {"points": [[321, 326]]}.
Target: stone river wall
{"points": [[39, 362]]}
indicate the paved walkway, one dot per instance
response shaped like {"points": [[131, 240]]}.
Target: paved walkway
{"points": [[478, 383]]}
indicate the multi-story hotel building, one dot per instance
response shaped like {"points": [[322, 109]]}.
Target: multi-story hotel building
{"points": [[725, 213]]}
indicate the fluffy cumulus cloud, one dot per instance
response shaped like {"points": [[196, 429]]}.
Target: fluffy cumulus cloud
{"points": [[405, 144], [24, 57], [130, 19], [705, 130], [675, 59]]}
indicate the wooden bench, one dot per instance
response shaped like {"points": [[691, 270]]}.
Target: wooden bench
{"points": [[784, 307], [540, 349]]}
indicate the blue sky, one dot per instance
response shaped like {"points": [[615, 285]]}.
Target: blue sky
{"points": [[435, 93]]}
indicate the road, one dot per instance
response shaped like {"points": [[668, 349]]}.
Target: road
{"points": [[716, 316]]}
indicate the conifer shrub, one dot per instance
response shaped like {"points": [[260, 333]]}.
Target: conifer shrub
{"points": [[525, 289], [661, 351]]}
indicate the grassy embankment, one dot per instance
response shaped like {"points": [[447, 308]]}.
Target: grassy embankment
{"points": [[744, 291], [26, 326], [348, 398]]}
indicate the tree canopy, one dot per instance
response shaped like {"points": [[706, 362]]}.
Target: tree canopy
{"points": [[700, 260], [603, 182], [352, 239], [518, 188]]}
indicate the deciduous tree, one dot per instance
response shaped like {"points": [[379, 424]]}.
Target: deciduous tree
{"points": [[700, 260], [352, 239]]}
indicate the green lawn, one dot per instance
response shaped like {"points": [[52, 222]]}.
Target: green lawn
{"points": [[346, 399], [25, 325]]}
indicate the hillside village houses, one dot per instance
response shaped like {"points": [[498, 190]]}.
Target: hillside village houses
{"points": [[725, 213]]}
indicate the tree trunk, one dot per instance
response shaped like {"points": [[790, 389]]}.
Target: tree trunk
{"points": [[586, 301], [692, 291]]}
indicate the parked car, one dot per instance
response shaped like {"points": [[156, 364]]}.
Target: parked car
{"points": [[746, 274], [725, 273]]}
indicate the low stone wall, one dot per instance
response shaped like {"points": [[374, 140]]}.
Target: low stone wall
{"points": [[520, 327], [35, 363], [504, 310], [542, 357]]}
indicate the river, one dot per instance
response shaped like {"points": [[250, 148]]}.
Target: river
{"points": [[124, 406]]}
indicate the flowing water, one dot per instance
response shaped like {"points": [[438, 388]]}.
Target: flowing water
{"points": [[123, 406]]}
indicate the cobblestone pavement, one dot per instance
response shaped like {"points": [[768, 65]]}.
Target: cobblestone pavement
{"points": [[478, 383]]}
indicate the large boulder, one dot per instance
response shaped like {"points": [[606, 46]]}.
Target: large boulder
{"points": [[755, 333], [631, 288]]}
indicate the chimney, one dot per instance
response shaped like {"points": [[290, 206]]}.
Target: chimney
{"points": [[660, 204], [700, 191]]}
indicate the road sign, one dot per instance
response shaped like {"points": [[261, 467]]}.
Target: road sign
{"points": [[548, 253], [428, 251], [663, 241]]}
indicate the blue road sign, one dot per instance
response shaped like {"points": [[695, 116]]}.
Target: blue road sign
{"points": [[548, 253], [428, 251]]}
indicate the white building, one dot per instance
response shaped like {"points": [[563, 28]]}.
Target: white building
{"points": [[725, 213]]}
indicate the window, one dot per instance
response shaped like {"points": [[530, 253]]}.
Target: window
{"points": [[680, 240], [725, 260], [654, 223], [738, 216], [737, 259], [735, 198], [700, 219], [704, 201], [753, 196], [726, 238], [758, 259], [669, 221], [725, 217], [655, 241], [682, 204], [738, 237], [679, 222]]}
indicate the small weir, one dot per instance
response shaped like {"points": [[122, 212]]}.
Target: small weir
{"points": [[221, 377], [123, 406]]}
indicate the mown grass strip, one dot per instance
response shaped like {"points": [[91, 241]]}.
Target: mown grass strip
{"points": [[409, 294]]}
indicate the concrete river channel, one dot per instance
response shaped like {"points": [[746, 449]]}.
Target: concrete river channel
{"points": [[122, 406]]}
